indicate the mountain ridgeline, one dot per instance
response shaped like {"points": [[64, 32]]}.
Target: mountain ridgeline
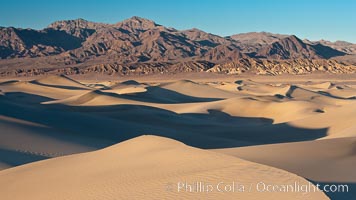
{"points": [[140, 46]]}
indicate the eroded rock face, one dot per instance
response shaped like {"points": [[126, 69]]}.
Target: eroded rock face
{"points": [[275, 67], [251, 66], [140, 46]]}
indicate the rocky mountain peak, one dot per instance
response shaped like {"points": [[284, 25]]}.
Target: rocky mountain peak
{"points": [[141, 42], [137, 23]]}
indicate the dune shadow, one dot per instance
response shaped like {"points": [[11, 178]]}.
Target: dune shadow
{"points": [[9, 82], [344, 191], [16, 158], [291, 91], [336, 97], [156, 94], [26, 98], [58, 86], [117, 123], [130, 82], [43, 130]]}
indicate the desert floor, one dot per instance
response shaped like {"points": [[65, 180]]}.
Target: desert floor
{"points": [[189, 136]]}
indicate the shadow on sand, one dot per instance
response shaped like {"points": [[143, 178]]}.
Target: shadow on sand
{"points": [[343, 191], [15, 158], [214, 129]]}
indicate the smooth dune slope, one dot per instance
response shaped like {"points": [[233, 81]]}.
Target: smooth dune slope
{"points": [[340, 121], [141, 168], [60, 81], [314, 160], [191, 88], [326, 162], [53, 87]]}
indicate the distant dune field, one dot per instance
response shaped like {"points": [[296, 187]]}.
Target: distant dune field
{"points": [[73, 138]]}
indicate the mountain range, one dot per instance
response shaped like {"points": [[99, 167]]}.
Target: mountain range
{"points": [[141, 46]]}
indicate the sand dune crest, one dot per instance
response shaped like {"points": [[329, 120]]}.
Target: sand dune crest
{"points": [[141, 168]]}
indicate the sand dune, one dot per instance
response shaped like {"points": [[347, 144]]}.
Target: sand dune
{"points": [[270, 109], [238, 106], [346, 92], [60, 81], [298, 126], [340, 121], [324, 98], [255, 88], [44, 90], [95, 97], [127, 87], [302, 107], [312, 159], [141, 168], [330, 161], [191, 88], [128, 90], [317, 86], [23, 141]]}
